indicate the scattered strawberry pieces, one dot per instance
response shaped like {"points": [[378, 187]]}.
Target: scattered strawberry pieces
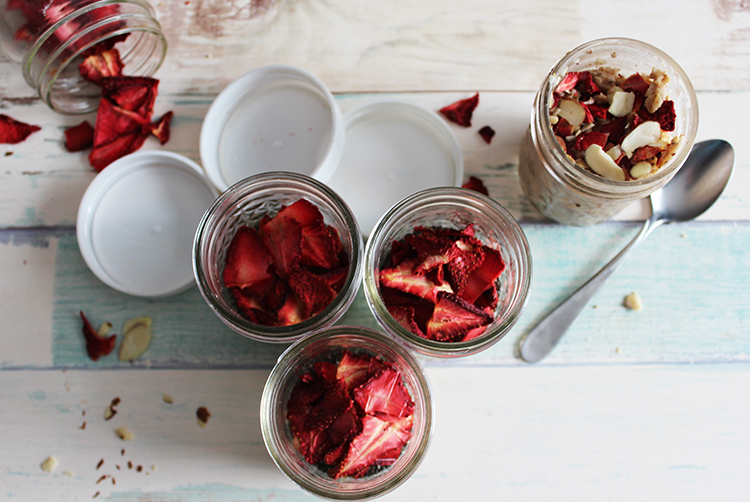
{"points": [[441, 283], [487, 133], [602, 107], [96, 346], [104, 64], [79, 137], [476, 184], [12, 131], [288, 269], [461, 111], [351, 418]]}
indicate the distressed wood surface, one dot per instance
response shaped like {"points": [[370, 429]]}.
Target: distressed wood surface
{"points": [[648, 405]]}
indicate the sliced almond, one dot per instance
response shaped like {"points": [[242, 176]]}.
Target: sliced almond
{"points": [[49, 464], [615, 152], [645, 133], [603, 164], [135, 342], [131, 323], [124, 434], [572, 111], [640, 170], [622, 103], [104, 329]]}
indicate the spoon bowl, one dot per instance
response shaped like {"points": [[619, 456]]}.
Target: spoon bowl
{"points": [[695, 188]]}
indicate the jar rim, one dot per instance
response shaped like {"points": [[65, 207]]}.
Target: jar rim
{"points": [[564, 169]]}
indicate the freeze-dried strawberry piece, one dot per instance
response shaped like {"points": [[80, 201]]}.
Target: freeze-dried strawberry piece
{"points": [[476, 184], [312, 291], [354, 370], [563, 128], [100, 65], [105, 45], [103, 155], [484, 276], [303, 212], [470, 256], [379, 443], [252, 307], [335, 278], [645, 153], [588, 138], [405, 317], [318, 247], [614, 129], [325, 370], [282, 236], [461, 111], [665, 115], [12, 131], [247, 260], [291, 312], [343, 428], [79, 137], [422, 307], [117, 132], [136, 94], [314, 444], [332, 404], [96, 346], [582, 81], [594, 111], [454, 317], [161, 128], [634, 83], [403, 278], [487, 133], [385, 393]]}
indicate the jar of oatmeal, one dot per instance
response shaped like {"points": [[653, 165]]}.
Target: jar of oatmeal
{"points": [[50, 38], [570, 191]]}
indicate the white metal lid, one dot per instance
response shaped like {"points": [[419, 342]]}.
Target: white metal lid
{"points": [[392, 150], [274, 118], [137, 220]]}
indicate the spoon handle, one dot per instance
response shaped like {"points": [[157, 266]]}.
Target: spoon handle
{"points": [[540, 341]]}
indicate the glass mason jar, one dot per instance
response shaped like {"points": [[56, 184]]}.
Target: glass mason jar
{"points": [[50, 38], [245, 203], [453, 208], [328, 345], [564, 191]]}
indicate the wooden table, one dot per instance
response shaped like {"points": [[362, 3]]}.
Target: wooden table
{"points": [[648, 405]]}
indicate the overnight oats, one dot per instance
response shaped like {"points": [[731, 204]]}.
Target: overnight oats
{"points": [[613, 122]]}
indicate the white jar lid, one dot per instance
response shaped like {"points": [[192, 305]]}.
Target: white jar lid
{"points": [[137, 220], [274, 118], [393, 149]]}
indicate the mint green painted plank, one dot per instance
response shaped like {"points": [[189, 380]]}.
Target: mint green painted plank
{"points": [[692, 277]]}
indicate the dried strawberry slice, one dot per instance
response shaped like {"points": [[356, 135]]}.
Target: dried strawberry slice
{"points": [[103, 155], [469, 257], [282, 236], [96, 346], [634, 83], [487, 133], [312, 291], [335, 278], [461, 111], [484, 276], [354, 370], [379, 443], [581, 80], [645, 153], [304, 212], [136, 94], [563, 128], [476, 184], [403, 278], [665, 115], [614, 129], [325, 370], [79, 137], [385, 393], [117, 132], [588, 138], [100, 65], [422, 307], [252, 308], [405, 317], [247, 261], [161, 128], [12, 131], [291, 312], [318, 247], [333, 403], [314, 444], [454, 317], [344, 427]]}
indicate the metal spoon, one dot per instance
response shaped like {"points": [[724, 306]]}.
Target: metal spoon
{"points": [[694, 188]]}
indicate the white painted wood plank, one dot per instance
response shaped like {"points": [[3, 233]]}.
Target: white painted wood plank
{"points": [[531, 433], [41, 184]]}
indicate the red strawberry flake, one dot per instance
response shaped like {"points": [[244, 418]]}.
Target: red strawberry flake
{"points": [[461, 111], [117, 133], [303, 212], [314, 444], [466, 260], [282, 236], [378, 444], [645, 153], [136, 94], [404, 279], [582, 80], [487, 133], [335, 278], [355, 370], [385, 393], [588, 138], [454, 317], [634, 83], [100, 65], [343, 428], [568, 83], [12, 131], [325, 370], [614, 129], [247, 261], [96, 346], [594, 111], [250, 306], [563, 128], [484, 276], [312, 291], [474, 333], [161, 128], [476, 184], [79, 137], [665, 115], [405, 317], [291, 312], [318, 247], [103, 155], [332, 404], [422, 307]]}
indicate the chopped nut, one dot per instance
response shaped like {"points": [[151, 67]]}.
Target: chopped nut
{"points": [[110, 411], [49, 464], [154, 467], [203, 415], [101, 462], [101, 479], [633, 301], [135, 342], [139, 468], [657, 90], [69, 473], [125, 434], [130, 464], [167, 398], [83, 425], [104, 329]]}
